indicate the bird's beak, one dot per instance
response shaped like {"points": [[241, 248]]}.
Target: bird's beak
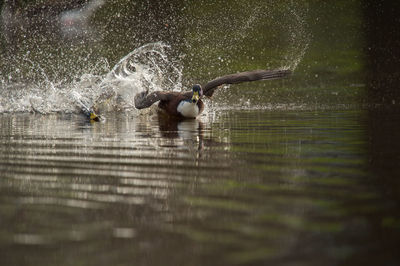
{"points": [[94, 117], [195, 97]]}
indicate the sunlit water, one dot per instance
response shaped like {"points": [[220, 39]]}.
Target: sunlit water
{"points": [[241, 187]]}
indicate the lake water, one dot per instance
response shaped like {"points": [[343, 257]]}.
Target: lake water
{"points": [[302, 171], [255, 187]]}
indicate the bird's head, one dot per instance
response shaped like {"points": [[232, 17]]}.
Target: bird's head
{"points": [[94, 117], [197, 93]]}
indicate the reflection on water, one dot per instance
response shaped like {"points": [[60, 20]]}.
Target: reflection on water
{"points": [[253, 187]]}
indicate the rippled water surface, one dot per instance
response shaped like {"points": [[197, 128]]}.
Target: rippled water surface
{"points": [[238, 187]]}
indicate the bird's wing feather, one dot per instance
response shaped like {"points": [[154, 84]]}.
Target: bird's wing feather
{"points": [[145, 100], [247, 76]]}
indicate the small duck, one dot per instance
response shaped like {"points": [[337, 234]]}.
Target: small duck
{"points": [[91, 114], [189, 104]]}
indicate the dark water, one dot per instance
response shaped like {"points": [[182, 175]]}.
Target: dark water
{"points": [[301, 171], [239, 187]]}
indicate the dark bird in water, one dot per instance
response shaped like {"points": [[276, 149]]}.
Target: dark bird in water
{"points": [[189, 104], [91, 114]]}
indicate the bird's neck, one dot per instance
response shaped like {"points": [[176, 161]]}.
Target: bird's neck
{"points": [[188, 109]]}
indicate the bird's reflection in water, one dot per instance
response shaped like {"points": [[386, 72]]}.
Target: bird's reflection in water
{"points": [[190, 131]]}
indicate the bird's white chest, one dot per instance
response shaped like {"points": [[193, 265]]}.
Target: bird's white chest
{"points": [[188, 109]]}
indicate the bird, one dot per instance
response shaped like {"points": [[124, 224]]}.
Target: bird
{"points": [[189, 105], [91, 114]]}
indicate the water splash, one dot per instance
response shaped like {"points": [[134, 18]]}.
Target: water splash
{"points": [[243, 36], [299, 38], [46, 87], [146, 68], [47, 95]]}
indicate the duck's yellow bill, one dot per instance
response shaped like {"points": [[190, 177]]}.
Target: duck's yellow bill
{"points": [[94, 117], [195, 97]]}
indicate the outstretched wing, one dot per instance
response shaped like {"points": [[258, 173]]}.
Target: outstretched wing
{"points": [[144, 100], [247, 76]]}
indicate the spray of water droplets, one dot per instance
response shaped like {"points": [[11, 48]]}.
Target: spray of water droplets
{"points": [[152, 67], [299, 38], [145, 68]]}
